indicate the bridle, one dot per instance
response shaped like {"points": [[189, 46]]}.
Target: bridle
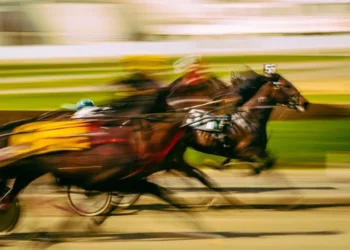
{"points": [[293, 100]]}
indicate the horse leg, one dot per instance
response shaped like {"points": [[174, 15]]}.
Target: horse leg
{"points": [[268, 163], [222, 165], [144, 187], [263, 162], [205, 180], [22, 181]]}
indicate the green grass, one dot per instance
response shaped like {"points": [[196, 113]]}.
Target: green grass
{"points": [[309, 141], [88, 70], [37, 73], [49, 101], [58, 83], [298, 142], [114, 67], [67, 65], [338, 159]]}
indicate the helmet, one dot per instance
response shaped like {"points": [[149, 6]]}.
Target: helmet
{"points": [[84, 103]]}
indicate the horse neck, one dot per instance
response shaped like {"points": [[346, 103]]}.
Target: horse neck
{"points": [[248, 88], [259, 116], [159, 105]]}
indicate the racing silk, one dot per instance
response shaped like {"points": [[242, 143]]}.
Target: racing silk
{"points": [[193, 77], [89, 112], [196, 73]]}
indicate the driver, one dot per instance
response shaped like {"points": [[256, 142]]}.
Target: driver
{"points": [[195, 72], [87, 108]]}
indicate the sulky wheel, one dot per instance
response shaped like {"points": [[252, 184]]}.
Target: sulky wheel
{"points": [[88, 203], [124, 200], [9, 217]]}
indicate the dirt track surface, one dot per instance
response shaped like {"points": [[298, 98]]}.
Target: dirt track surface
{"points": [[321, 229], [315, 112], [47, 224]]}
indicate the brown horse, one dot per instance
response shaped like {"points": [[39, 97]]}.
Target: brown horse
{"points": [[121, 154], [244, 136], [244, 85]]}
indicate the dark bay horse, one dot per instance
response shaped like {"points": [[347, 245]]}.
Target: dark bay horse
{"points": [[107, 159], [243, 86], [246, 138], [122, 153]]}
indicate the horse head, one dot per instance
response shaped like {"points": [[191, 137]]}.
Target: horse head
{"points": [[284, 92], [278, 90]]}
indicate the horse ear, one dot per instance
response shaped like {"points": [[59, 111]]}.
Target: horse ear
{"points": [[233, 76]]}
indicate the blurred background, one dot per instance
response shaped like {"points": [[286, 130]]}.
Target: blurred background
{"points": [[38, 22], [55, 52]]}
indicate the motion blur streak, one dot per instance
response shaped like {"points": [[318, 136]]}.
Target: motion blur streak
{"points": [[267, 168]]}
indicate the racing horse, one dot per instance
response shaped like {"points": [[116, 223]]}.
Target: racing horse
{"points": [[103, 154], [244, 85], [135, 104], [39, 163], [245, 137]]}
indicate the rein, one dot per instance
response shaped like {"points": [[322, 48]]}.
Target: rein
{"points": [[261, 107], [225, 117]]}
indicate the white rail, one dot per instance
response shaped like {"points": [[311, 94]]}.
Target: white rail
{"points": [[239, 45]]}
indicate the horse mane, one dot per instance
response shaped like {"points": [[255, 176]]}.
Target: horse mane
{"points": [[160, 104], [247, 87]]}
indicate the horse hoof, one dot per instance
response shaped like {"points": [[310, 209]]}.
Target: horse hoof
{"points": [[255, 172], [98, 221]]}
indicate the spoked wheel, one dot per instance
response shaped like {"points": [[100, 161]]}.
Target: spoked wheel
{"points": [[124, 200], [9, 217], [88, 203]]}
